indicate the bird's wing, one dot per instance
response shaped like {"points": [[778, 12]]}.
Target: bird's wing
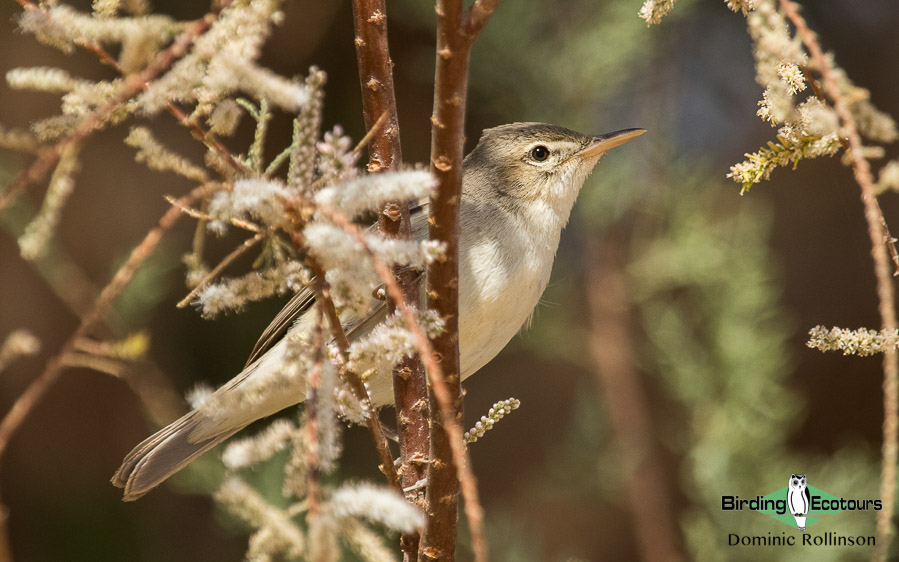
{"points": [[295, 307], [171, 448], [303, 300]]}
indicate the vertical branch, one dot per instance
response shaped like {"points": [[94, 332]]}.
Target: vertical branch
{"points": [[456, 31], [379, 101], [885, 290], [376, 79], [613, 358], [447, 135]]}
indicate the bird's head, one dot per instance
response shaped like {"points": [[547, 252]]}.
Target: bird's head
{"points": [[536, 162]]}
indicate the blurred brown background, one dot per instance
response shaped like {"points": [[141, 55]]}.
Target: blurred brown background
{"points": [[588, 65]]}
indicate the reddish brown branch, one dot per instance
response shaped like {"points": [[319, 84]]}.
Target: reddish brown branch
{"points": [[885, 290], [439, 537], [376, 79], [456, 31], [379, 103]]}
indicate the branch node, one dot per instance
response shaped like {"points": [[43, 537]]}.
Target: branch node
{"points": [[393, 212], [443, 163]]}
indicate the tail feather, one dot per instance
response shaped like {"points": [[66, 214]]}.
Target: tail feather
{"points": [[164, 453], [268, 390]]}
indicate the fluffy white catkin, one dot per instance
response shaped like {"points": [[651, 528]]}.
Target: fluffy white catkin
{"points": [[380, 505], [369, 192]]}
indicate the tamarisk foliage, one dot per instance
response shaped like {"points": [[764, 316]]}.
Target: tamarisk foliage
{"points": [[295, 206], [836, 115]]}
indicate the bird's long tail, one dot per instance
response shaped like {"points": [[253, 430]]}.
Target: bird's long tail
{"points": [[266, 387], [265, 390], [164, 453]]}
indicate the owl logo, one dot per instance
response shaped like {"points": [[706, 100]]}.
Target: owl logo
{"points": [[798, 499]]}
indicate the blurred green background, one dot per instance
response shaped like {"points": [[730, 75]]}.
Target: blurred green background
{"points": [[716, 293]]}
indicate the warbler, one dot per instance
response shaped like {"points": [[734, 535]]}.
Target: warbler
{"points": [[519, 185]]}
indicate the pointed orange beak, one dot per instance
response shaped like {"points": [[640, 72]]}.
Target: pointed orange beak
{"points": [[602, 143]]}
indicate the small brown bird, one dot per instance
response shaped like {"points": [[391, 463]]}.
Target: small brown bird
{"points": [[519, 186]]}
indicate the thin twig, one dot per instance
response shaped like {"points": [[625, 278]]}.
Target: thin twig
{"points": [[236, 253], [112, 367], [208, 139], [133, 85], [363, 142], [202, 216], [888, 238], [885, 291], [54, 367], [322, 295], [104, 56], [314, 380]]}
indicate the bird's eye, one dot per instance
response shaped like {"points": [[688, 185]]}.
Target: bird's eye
{"points": [[540, 153]]}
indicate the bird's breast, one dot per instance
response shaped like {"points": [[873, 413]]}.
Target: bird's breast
{"points": [[501, 279]]}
